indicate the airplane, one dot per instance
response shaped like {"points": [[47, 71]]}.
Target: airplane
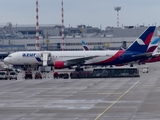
{"points": [[156, 54], [153, 46], [65, 59], [155, 58]]}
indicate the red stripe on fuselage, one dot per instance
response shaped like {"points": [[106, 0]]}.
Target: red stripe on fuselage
{"points": [[114, 57], [148, 40]]}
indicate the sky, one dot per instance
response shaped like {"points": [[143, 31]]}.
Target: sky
{"points": [[94, 13]]}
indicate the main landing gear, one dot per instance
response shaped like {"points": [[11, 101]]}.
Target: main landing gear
{"points": [[131, 65], [79, 69]]}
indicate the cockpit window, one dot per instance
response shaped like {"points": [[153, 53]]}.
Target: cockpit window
{"points": [[9, 55]]}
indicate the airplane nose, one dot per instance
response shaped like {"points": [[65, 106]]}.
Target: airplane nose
{"points": [[6, 60]]}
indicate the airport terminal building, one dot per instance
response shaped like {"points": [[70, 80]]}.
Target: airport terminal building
{"points": [[23, 37]]}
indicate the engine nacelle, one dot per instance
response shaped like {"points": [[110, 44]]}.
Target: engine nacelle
{"points": [[59, 65], [119, 65]]}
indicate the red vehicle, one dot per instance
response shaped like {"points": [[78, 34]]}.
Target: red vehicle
{"points": [[38, 75], [55, 75], [28, 74]]}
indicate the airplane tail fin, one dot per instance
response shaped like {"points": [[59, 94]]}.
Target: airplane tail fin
{"points": [[142, 42], [85, 47], [154, 44]]}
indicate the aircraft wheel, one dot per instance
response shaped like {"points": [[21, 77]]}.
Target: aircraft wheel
{"points": [[131, 65], [81, 69], [77, 69]]}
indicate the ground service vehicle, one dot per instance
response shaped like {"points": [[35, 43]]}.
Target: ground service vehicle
{"points": [[12, 75], [145, 69], [38, 75], [3, 75], [64, 75], [108, 73], [28, 74], [116, 72]]}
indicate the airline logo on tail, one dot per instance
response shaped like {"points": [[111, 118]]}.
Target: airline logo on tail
{"points": [[140, 42], [154, 44]]}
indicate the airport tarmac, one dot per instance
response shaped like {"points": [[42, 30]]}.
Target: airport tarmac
{"points": [[82, 99]]}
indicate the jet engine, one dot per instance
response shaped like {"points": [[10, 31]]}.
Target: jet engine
{"points": [[59, 65]]}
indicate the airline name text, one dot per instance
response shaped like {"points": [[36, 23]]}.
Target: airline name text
{"points": [[28, 54]]}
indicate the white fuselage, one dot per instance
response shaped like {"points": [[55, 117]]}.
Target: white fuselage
{"points": [[29, 57]]}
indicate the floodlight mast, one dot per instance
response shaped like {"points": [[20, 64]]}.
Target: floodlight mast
{"points": [[63, 41], [37, 28], [117, 9]]}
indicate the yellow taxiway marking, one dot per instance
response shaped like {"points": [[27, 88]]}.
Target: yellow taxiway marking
{"points": [[116, 93], [116, 100]]}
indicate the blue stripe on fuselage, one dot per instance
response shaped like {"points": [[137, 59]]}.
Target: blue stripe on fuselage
{"points": [[38, 59]]}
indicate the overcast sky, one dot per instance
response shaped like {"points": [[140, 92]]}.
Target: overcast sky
{"points": [[88, 12]]}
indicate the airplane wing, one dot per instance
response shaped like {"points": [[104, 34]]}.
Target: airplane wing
{"points": [[80, 60]]}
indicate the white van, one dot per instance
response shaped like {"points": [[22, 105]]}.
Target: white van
{"points": [[12, 75], [3, 75], [145, 69]]}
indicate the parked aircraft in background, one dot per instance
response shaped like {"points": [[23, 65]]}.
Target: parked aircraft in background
{"points": [[85, 46], [153, 45], [156, 52], [66, 59]]}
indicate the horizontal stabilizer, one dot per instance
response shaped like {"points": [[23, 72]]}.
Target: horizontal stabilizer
{"points": [[143, 55]]}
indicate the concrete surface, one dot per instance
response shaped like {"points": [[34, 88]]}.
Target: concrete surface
{"points": [[82, 99]]}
